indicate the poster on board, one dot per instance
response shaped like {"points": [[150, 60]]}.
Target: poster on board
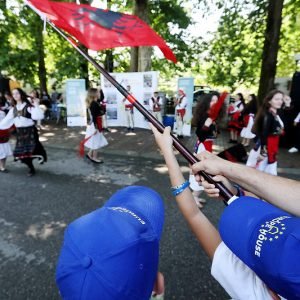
{"points": [[75, 101], [142, 85], [187, 85]]}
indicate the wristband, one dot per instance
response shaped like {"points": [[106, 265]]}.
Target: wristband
{"points": [[240, 191], [176, 190]]}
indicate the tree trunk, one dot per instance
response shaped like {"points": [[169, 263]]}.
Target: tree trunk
{"points": [[271, 46], [141, 56], [134, 60], [42, 73]]}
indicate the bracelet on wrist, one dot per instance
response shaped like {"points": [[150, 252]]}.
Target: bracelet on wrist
{"points": [[176, 190]]}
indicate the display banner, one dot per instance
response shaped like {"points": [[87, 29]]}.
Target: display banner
{"points": [[187, 84], [141, 85], [75, 100]]}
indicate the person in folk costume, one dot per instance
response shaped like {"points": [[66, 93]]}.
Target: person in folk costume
{"points": [[208, 109], [23, 116], [4, 105], [268, 127], [180, 110], [129, 112], [234, 112], [5, 149], [35, 101], [296, 139], [102, 101], [248, 114], [156, 106], [94, 138]]}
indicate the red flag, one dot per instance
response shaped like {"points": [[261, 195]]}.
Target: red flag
{"points": [[102, 29]]}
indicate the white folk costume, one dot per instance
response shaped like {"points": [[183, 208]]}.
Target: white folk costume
{"points": [[263, 156], [246, 131], [94, 138], [5, 148], [28, 146], [180, 110], [155, 104], [129, 114], [234, 111]]}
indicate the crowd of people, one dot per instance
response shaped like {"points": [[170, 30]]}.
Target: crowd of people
{"points": [[253, 252]]}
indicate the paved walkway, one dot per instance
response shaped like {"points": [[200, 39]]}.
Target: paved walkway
{"points": [[141, 143]]}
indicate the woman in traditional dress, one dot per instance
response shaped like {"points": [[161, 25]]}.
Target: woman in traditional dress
{"points": [[206, 131], [5, 149], [94, 138], [248, 118], [235, 122], [23, 116], [268, 127]]}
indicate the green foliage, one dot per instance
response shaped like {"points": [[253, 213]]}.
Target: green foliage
{"points": [[235, 53], [231, 58]]}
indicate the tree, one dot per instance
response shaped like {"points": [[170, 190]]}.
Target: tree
{"points": [[270, 50], [236, 50], [141, 56]]}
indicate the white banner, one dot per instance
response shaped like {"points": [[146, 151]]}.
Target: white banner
{"points": [[187, 85], [142, 86], [75, 100]]}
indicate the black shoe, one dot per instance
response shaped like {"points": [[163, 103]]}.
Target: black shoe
{"points": [[128, 129], [132, 129], [180, 136], [231, 141], [4, 171]]}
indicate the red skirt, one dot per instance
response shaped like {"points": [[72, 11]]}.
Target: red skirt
{"points": [[272, 146], [99, 123]]}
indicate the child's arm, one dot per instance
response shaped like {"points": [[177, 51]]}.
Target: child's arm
{"points": [[205, 232]]}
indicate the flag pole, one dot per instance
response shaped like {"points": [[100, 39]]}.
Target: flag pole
{"points": [[224, 192]]}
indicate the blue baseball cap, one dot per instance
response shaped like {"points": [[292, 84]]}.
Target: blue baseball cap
{"points": [[113, 252], [267, 240]]}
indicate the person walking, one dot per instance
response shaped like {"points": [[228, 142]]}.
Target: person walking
{"points": [[23, 116], [5, 149], [94, 138], [248, 115], [268, 127], [206, 131], [235, 122]]}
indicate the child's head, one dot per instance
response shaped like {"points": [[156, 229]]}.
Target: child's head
{"points": [[113, 252], [267, 240]]}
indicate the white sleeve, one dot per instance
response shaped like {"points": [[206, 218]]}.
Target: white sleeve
{"points": [[239, 281], [184, 102], [297, 120], [36, 112], [8, 121], [150, 104]]}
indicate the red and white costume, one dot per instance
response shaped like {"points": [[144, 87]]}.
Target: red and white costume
{"points": [[180, 110], [155, 104]]}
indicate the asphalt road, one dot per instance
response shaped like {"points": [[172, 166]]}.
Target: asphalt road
{"points": [[35, 211]]}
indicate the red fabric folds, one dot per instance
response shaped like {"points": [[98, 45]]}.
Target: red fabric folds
{"points": [[215, 110], [102, 29]]}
